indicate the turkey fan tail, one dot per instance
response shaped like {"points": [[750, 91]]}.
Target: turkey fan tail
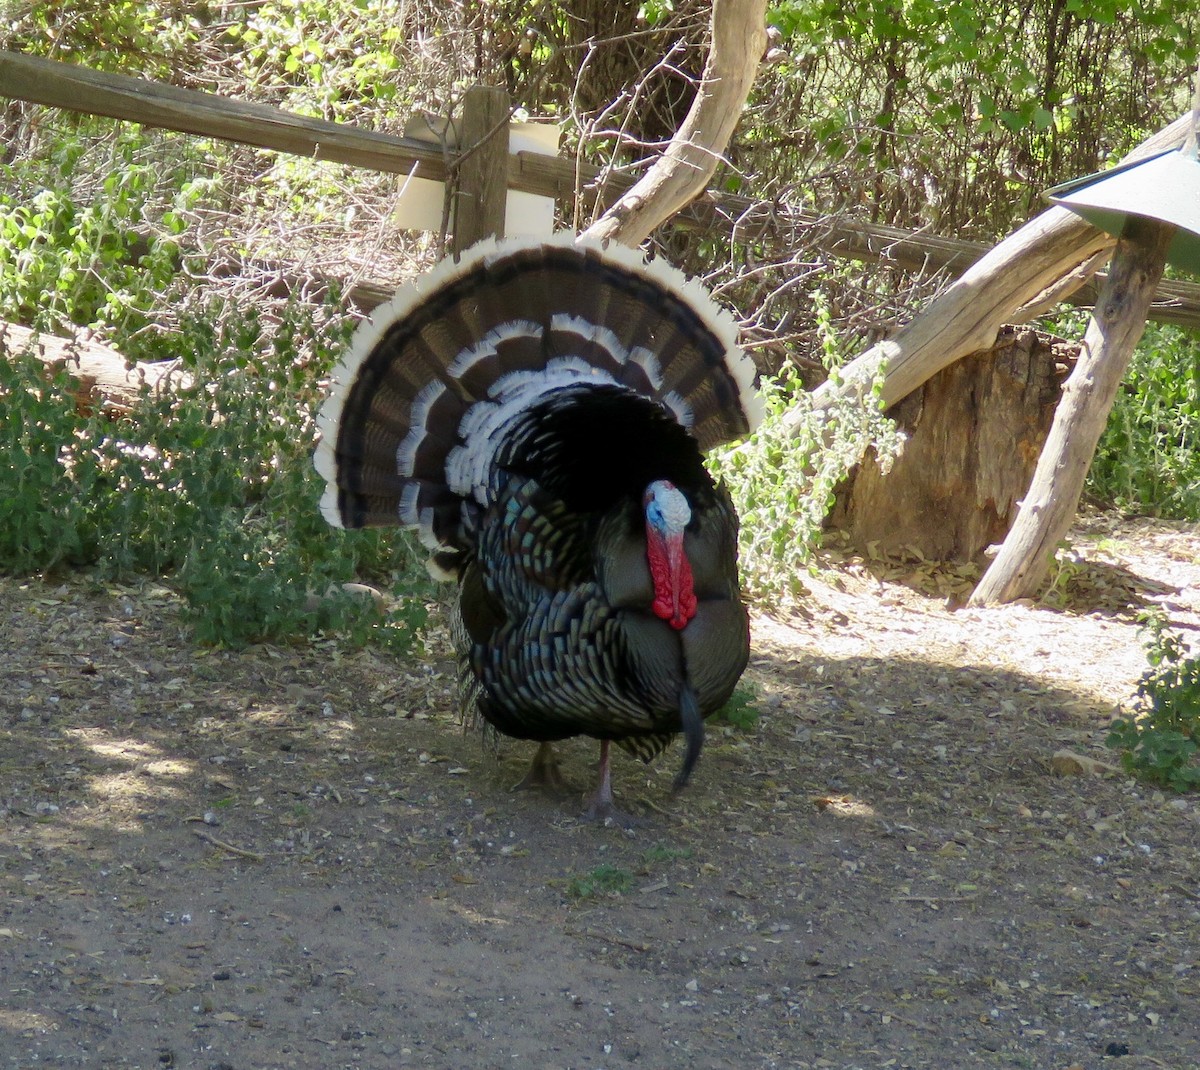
{"points": [[434, 381]]}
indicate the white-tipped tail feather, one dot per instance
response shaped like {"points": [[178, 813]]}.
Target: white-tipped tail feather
{"points": [[440, 370]]}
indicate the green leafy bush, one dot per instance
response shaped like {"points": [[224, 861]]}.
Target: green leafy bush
{"points": [[212, 480], [1148, 459], [783, 477], [43, 524], [1160, 739], [103, 262]]}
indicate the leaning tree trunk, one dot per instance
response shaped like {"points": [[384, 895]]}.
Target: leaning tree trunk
{"points": [[1115, 327]]}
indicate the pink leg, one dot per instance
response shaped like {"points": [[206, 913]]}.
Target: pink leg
{"points": [[601, 807]]}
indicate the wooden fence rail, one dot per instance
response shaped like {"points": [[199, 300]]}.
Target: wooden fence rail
{"points": [[78, 88]]}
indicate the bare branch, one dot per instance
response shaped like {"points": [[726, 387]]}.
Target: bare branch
{"points": [[738, 41]]}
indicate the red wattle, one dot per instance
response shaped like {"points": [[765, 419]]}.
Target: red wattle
{"points": [[674, 596]]}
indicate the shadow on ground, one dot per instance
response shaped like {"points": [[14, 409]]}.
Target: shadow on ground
{"points": [[293, 858]]}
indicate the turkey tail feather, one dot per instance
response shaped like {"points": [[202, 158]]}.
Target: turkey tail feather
{"points": [[435, 378]]}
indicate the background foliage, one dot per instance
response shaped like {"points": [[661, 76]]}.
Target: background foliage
{"points": [[941, 114], [1159, 736]]}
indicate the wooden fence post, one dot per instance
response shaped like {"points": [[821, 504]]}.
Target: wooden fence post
{"points": [[480, 194]]}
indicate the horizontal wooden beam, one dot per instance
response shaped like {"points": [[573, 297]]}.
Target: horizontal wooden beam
{"points": [[139, 100]]}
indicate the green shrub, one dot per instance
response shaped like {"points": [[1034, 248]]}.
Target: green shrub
{"points": [[1160, 739], [1148, 459], [101, 263], [43, 517], [212, 479], [783, 477]]}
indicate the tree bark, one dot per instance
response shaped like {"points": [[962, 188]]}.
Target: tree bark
{"points": [[1048, 508], [973, 435], [739, 38]]}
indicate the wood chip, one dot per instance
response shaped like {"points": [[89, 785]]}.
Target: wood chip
{"points": [[1068, 763]]}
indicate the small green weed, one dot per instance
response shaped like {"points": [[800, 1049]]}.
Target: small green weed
{"points": [[1160, 739], [739, 711], [602, 881], [1066, 568], [660, 853]]}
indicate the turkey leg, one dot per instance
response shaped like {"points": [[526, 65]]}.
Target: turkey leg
{"points": [[601, 805], [543, 772]]}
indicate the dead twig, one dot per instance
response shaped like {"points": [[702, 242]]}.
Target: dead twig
{"points": [[241, 852]]}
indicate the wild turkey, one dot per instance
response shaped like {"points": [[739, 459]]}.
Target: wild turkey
{"points": [[538, 411]]}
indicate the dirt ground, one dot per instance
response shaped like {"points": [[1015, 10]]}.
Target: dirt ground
{"points": [[294, 858]]}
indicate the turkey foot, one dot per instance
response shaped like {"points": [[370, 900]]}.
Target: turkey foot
{"points": [[543, 773]]}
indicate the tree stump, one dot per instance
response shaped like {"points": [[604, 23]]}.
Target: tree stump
{"points": [[975, 432]]}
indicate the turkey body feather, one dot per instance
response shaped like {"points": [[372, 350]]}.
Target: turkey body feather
{"points": [[538, 411]]}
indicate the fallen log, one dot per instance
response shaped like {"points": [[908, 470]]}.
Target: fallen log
{"points": [[104, 380]]}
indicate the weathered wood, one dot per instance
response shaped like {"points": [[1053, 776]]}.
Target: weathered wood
{"points": [[737, 42], [974, 432], [139, 100], [481, 190], [1048, 508], [104, 379], [966, 317], [67, 85]]}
